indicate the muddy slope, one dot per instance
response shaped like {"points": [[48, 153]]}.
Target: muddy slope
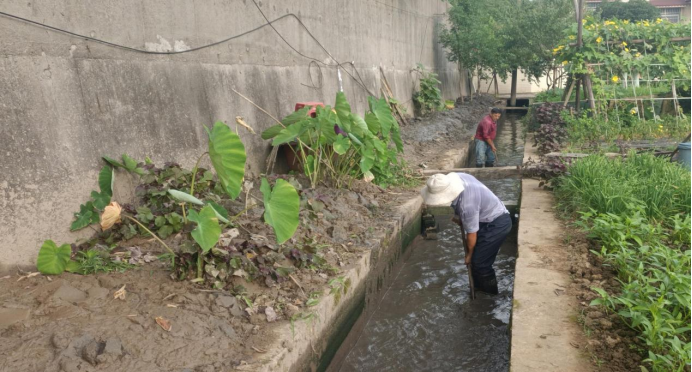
{"points": [[427, 138]]}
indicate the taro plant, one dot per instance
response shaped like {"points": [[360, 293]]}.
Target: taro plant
{"points": [[203, 220], [338, 146], [429, 97]]}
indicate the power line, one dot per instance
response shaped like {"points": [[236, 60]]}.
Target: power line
{"points": [[114, 45], [359, 82], [268, 23]]}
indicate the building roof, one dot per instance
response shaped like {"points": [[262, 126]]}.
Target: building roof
{"points": [[659, 3], [670, 3]]}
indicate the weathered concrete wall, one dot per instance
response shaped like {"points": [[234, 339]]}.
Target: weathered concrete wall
{"points": [[65, 102]]}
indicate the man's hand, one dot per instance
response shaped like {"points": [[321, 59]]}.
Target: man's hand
{"points": [[468, 258]]}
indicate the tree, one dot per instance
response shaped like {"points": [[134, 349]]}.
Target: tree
{"points": [[634, 10], [472, 38], [504, 36], [535, 28]]}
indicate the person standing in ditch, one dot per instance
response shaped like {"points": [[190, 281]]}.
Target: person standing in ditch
{"points": [[483, 218], [485, 137]]}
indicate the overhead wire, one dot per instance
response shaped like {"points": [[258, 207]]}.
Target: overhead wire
{"points": [[359, 81], [119, 46], [339, 64]]}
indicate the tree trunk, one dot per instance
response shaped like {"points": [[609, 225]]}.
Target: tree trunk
{"points": [[577, 96], [513, 94], [589, 90], [478, 91], [461, 82], [497, 90], [567, 93]]}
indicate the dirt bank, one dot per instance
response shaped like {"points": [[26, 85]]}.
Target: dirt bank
{"points": [[428, 139], [75, 323]]}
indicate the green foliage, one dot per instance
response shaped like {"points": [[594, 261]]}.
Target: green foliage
{"points": [[611, 45], [94, 261], [638, 209], [52, 260], [281, 208], [655, 276], [622, 123], [207, 231], [613, 185], [89, 212], [660, 89], [363, 148], [633, 10], [428, 98], [227, 154], [503, 35]]}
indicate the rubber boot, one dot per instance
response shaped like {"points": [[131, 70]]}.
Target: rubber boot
{"points": [[488, 284]]}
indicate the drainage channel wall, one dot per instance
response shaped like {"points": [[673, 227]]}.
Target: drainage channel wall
{"points": [[543, 328], [321, 342]]}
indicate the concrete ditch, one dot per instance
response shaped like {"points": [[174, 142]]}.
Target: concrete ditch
{"points": [[311, 345], [544, 328]]}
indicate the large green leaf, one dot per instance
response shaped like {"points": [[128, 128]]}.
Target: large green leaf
{"points": [[113, 162], [383, 112], [327, 119], [396, 137], [227, 154], [221, 212], [271, 132], [85, 217], [373, 123], [281, 208], [343, 110], [208, 231], [360, 128], [290, 133], [52, 259], [368, 158], [296, 116], [131, 165], [101, 199], [106, 179], [341, 145], [184, 197]]}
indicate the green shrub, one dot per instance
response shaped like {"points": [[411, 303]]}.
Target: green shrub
{"points": [[638, 210], [655, 276], [429, 97], [614, 185]]}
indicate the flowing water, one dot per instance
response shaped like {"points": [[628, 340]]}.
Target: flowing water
{"points": [[426, 320]]}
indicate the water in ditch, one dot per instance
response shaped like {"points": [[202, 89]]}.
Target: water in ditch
{"points": [[426, 320]]}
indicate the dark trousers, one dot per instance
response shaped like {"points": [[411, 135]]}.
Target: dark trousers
{"points": [[489, 239]]}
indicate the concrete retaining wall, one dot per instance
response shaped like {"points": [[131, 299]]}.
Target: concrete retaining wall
{"points": [[65, 102]]}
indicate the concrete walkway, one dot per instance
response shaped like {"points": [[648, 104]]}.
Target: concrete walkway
{"points": [[545, 334]]}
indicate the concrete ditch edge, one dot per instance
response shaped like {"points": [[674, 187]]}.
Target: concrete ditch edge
{"points": [[309, 346], [304, 345], [544, 328]]}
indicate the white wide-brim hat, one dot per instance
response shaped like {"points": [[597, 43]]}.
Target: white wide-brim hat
{"points": [[442, 189]]}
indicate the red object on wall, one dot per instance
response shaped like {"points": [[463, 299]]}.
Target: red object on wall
{"points": [[312, 111]]}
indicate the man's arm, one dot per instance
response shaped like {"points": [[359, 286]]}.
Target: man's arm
{"points": [[486, 128], [470, 245], [492, 145], [469, 240]]}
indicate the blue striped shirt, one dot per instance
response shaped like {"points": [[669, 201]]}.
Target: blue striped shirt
{"points": [[476, 204]]}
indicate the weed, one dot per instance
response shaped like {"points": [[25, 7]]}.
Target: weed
{"points": [[429, 98]]}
